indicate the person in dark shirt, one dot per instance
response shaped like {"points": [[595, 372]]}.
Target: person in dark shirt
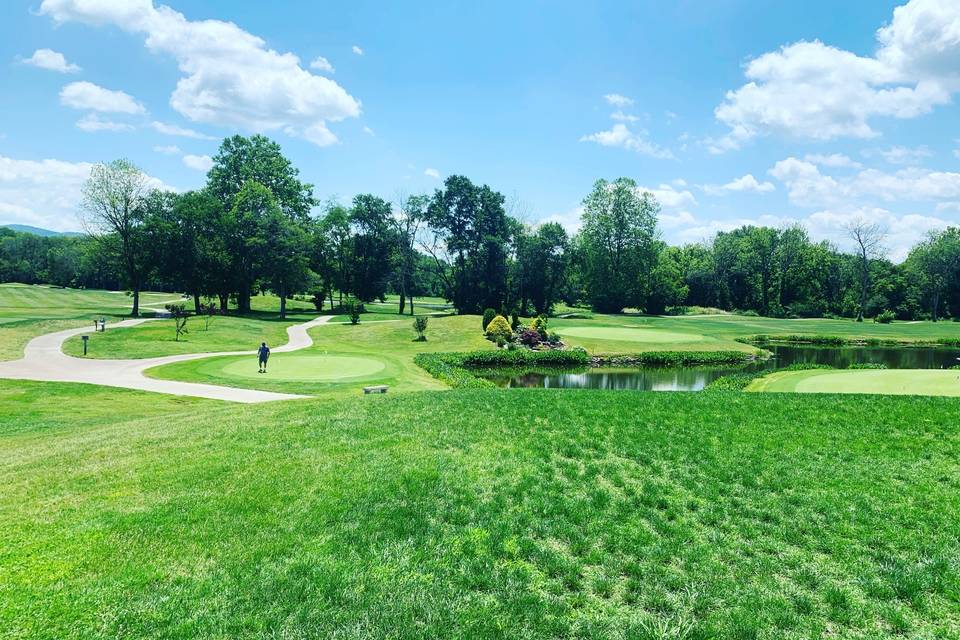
{"points": [[263, 354]]}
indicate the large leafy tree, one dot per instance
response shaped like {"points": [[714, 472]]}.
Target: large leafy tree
{"points": [[471, 236], [542, 263], [113, 211], [935, 263], [618, 237], [374, 244], [253, 204]]}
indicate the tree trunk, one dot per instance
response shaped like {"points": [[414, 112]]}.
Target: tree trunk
{"points": [[196, 303], [936, 304], [243, 298], [283, 301], [403, 298], [136, 301], [224, 298]]}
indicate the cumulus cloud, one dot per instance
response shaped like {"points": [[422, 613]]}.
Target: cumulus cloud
{"points": [[230, 77], [45, 193], [620, 135], [806, 185], [903, 230], [322, 64], [835, 160], [176, 130], [618, 100], [816, 91], [86, 95], [742, 184], [357, 50], [198, 163], [93, 123], [431, 173], [51, 60], [905, 155], [620, 116]]}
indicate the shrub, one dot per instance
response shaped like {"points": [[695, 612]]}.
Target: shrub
{"points": [[885, 317], [514, 320], [317, 299], [539, 325], [867, 365], [554, 338], [499, 328], [488, 315], [530, 337], [420, 326], [208, 310], [353, 308], [179, 314]]}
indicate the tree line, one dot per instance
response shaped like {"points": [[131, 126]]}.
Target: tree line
{"points": [[252, 228]]}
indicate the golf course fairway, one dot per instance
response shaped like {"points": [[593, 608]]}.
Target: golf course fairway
{"points": [[916, 382], [630, 334], [309, 367]]}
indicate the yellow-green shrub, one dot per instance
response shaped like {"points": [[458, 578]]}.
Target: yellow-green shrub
{"points": [[499, 327]]}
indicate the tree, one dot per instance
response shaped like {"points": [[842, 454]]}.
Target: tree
{"points": [[868, 238], [112, 204], [331, 253], [542, 260], [420, 326], [373, 246], [936, 265], [179, 314], [411, 214], [619, 230], [282, 247], [471, 231], [251, 208], [241, 160]]}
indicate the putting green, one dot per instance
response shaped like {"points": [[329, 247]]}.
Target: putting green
{"points": [[629, 334], [919, 382], [305, 367]]}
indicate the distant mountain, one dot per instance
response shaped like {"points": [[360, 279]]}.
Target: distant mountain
{"points": [[37, 231]]}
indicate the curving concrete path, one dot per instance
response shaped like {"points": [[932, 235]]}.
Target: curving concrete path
{"points": [[44, 360]]}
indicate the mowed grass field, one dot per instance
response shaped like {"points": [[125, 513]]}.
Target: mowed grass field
{"points": [[479, 514], [27, 311], [923, 382]]}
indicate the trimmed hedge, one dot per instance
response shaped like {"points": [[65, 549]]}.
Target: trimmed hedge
{"points": [[840, 341], [453, 368]]}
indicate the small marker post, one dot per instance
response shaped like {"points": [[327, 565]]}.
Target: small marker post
{"points": [[85, 339]]}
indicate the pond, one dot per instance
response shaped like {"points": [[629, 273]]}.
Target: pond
{"points": [[696, 378]]}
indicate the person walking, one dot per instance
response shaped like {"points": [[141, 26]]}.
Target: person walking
{"points": [[263, 354]]}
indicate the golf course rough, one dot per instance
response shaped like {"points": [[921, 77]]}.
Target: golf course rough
{"points": [[631, 334], [919, 382]]}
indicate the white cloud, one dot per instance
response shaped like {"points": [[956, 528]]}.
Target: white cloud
{"points": [[836, 160], [812, 90], [322, 64], [198, 163], [431, 173], [621, 136], [176, 130], [669, 197], [948, 206], [230, 77], [620, 116], [618, 100], [905, 155], [92, 123], [806, 185], [368, 131], [569, 220], [86, 95], [167, 150], [742, 184], [45, 193], [51, 60], [705, 231], [357, 50]]}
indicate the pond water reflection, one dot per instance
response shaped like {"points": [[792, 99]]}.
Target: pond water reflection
{"points": [[696, 378]]}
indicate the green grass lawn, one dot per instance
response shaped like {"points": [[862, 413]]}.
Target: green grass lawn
{"points": [[390, 344], [27, 311], [925, 382], [479, 514]]}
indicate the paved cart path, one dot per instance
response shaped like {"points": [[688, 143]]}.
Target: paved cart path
{"points": [[44, 360]]}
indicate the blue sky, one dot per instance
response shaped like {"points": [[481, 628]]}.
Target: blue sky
{"points": [[730, 111]]}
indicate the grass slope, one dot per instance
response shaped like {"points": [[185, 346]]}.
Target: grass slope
{"points": [[924, 382], [486, 514]]}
